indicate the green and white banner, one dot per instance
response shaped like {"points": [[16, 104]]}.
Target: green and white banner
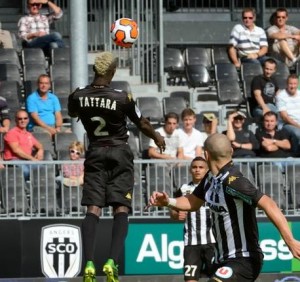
{"points": [[158, 248]]}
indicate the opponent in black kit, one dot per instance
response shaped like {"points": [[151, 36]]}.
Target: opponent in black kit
{"points": [[232, 199], [108, 168]]}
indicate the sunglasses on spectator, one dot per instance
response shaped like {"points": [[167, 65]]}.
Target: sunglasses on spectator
{"points": [[75, 152], [247, 18], [22, 118], [34, 5]]}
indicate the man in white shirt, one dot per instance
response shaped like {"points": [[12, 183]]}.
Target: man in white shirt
{"points": [[192, 139], [248, 42], [173, 143], [288, 104]]}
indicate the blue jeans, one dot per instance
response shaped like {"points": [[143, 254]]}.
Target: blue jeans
{"points": [[46, 42], [259, 60]]}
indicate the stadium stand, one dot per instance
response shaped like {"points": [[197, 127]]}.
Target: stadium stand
{"points": [[33, 56], [197, 76], [10, 72], [33, 71], [174, 104], [150, 108]]}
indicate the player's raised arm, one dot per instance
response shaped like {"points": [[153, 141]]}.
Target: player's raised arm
{"points": [[185, 203], [275, 215]]}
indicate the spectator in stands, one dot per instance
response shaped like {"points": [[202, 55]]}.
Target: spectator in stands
{"points": [[284, 39], [73, 173], [273, 143], [210, 124], [288, 104], [198, 237], [170, 132], [19, 144], [263, 89], [192, 139], [44, 108], [4, 116], [34, 28], [248, 42], [243, 141]]}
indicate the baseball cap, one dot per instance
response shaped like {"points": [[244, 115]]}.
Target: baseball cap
{"points": [[209, 116]]}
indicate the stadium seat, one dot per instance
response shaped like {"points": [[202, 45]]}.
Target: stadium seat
{"points": [[60, 71], [11, 91], [62, 88], [250, 70], [33, 71], [34, 56], [29, 87], [197, 76], [184, 94], [60, 55], [9, 56], [13, 193], [46, 140], [121, 85], [281, 74], [229, 92], [226, 71], [271, 182], [174, 104], [62, 140], [150, 108], [10, 72], [197, 56], [173, 65], [220, 55]]}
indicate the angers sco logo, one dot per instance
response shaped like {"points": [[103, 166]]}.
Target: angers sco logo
{"points": [[61, 250]]}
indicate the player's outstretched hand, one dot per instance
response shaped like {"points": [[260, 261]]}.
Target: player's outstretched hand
{"points": [[159, 199], [294, 247], [160, 142]]}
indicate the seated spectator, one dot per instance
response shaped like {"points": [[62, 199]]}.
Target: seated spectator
{"points": [[34, 28], [288, 104], [192, 139], [243, 141], [248, 42], [273, 143], [73, 173], [263, 90], [284, 39], [4, 115], [210, 124], [170, 132], [19, 144], [44, 109]]}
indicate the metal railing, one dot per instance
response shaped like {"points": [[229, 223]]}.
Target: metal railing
{"points": [[44, 196]]}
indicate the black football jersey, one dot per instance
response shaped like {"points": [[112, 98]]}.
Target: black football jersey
{"points": [[103, 112]]}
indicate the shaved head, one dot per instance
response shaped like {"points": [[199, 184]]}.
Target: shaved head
{"points": [[218, 147]]}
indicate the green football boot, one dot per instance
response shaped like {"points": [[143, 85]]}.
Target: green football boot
{"points": [[89, 274], [111, 271]]}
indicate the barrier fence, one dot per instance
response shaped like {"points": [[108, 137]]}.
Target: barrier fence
{"points": [[45, 195]]}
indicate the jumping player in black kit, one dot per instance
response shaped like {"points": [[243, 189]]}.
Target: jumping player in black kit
{"points": [[232, 199], [108, 167]]}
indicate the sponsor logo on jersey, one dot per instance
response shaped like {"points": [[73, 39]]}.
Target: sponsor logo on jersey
{"points": [[224, 272], [61, 250], [232, 179]]}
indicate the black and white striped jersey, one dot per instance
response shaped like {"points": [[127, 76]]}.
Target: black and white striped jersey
{"points": [[232, 199], [197, 226]]}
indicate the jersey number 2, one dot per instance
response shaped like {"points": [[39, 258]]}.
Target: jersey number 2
{"points": [[102, 123]]}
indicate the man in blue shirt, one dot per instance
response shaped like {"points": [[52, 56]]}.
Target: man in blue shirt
{"points": [[44, 108]]}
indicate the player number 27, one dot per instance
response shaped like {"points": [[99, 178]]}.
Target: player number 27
{"points": [[190, 270], [102, 123]]}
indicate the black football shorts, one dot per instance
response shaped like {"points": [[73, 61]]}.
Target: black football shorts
{"points": [[108, 176]]}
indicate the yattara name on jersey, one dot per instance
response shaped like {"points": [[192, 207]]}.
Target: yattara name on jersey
{"points": [[97, 102]]}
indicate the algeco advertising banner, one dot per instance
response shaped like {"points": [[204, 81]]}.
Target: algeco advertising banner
{"points": [[158, 249]]}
